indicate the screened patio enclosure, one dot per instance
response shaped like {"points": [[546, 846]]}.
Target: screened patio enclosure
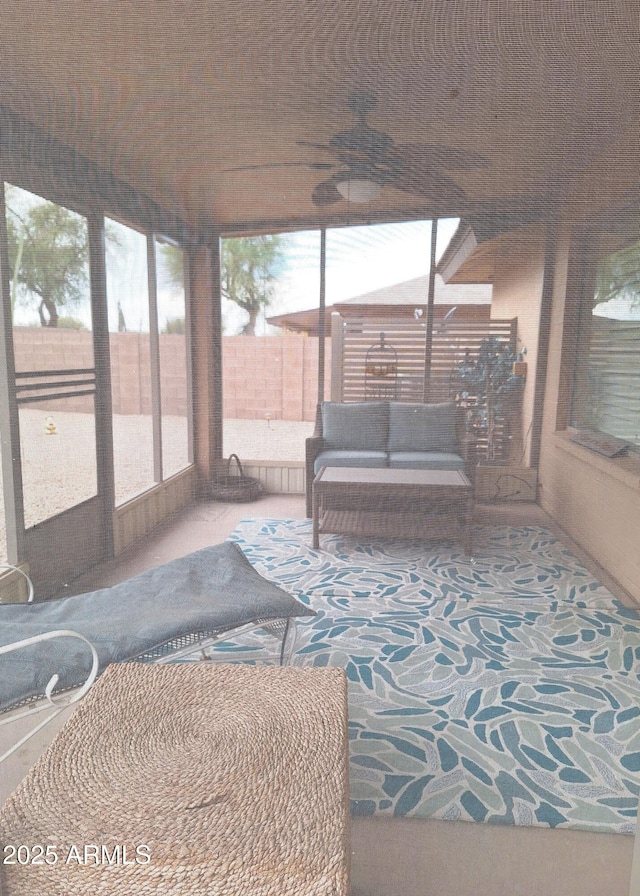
{"points": [[108, 478], [148, 121], [90, 416], [184, 124]]}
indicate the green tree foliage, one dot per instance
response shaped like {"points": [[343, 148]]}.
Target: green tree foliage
{"points": [[618, 276], [172, 264], [48, 254], [175, 326], [249, 268]]}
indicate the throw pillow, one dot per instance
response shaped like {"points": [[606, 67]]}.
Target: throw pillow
{"points": [[422, 427], [357, 426]]}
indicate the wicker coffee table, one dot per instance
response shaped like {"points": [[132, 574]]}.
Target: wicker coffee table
{"points": [[375, 501]]}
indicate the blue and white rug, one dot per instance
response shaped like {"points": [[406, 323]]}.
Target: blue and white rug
{"points": [[505, 690]]}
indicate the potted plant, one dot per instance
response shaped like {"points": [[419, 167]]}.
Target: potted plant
{"points": [[490, 385]]}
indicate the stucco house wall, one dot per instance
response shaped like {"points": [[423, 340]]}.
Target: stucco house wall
{"points": [[594, 499], [517, 292]]}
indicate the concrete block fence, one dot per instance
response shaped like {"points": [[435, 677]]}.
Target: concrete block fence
{"points": [[264, 377]]}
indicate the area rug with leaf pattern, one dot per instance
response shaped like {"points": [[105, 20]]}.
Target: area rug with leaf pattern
{"points": [[504, 690]]}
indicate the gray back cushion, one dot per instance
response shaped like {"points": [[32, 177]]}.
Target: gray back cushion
{"points": [[356, 425], [422, 427]]}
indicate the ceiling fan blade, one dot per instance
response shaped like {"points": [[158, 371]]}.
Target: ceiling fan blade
{"points": [[313, 145], [362, 139], [315, 166], [344, 155], [433, 186], [325, 193], [424, 156]]}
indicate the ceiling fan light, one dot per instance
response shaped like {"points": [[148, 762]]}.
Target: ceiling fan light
{"points": [[359, 189]]}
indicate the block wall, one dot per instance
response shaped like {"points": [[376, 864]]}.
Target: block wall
{"points": [[271, 377]]}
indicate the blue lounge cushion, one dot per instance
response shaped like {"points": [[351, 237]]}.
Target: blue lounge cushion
{"points": [[214, 589], [356, 426], [336, 457], [422, 427], [426, 460]]}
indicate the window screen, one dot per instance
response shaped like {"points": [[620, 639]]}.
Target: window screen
{"points": [[606, 395]]}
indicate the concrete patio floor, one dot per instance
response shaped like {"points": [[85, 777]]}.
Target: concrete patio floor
{"points": [[58, 469], [400, 857]]}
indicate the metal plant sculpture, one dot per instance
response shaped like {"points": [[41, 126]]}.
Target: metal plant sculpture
{"points": [[487, 384]]}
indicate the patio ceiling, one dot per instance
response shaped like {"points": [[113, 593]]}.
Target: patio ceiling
{"points": [[170, 96]]}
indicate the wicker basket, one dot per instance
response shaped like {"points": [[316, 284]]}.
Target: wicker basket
{"points": [[236, 486]]}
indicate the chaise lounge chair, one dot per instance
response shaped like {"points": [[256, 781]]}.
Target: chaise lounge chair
{"points": [[164, 614]]}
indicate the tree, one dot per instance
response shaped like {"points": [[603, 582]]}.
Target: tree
{"points": [[618, 277], [250, 265], [249, 269], [171, 264], [175, 326], [48, 254]]}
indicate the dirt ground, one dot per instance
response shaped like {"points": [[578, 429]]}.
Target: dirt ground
{"points": [[58, 456]]}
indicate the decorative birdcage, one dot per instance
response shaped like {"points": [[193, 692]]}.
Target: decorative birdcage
{"points": [[381, 371]]}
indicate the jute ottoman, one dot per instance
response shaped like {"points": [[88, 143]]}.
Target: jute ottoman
{"points": [[189, 779]]}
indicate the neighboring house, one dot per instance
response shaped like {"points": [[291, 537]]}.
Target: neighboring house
{"points": [[405, 299]]}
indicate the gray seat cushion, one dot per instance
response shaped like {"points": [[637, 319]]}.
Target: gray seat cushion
{"points": [[212, 590], [336, 457], [355, 425], [422, 427], [425, 460]]}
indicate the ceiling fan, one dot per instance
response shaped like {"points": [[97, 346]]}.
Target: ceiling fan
{"points": [[364, 160]]}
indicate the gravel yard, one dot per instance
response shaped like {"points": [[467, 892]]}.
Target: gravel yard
{"points": [[59, 468], [266, 439]]}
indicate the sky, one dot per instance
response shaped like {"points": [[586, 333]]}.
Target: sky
{"points": [[621, 308], [359, 259], [127, 278]]}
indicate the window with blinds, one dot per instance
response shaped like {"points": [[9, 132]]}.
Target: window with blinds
{"points": [[606, 395]]}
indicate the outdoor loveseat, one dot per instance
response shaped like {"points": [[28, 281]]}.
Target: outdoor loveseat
{"points": [[388, 434]]}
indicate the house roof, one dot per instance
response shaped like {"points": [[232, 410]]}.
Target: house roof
{"points": [[414, 292], [222, 112], [398, 298]]}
